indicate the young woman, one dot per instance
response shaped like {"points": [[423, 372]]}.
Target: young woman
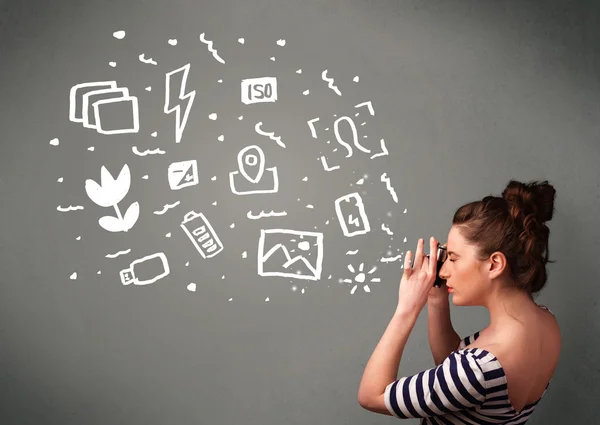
{"points": [[497, 253]]}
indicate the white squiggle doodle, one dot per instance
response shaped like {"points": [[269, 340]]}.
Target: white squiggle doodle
{"points": [[352, 252], [326, 167], [386, 229], [116, 254], [330, 81], [144, 60], [271, 136], [383, 152], [390, 259], [156, 151], [166, 208], [263, 214], [210, 48], [389, 187], [69, 208], [313, 132]]}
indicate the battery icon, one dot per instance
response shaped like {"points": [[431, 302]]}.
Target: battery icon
{"points": [[140, 271], [202, 234]]}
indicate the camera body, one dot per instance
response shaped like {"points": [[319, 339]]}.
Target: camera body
{"points": [[442, 254]]}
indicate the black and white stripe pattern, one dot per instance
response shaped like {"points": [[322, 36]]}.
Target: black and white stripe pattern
{"points": [[468, 387]]}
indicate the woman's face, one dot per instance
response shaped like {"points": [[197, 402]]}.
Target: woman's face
{"points": [[463, 272]]}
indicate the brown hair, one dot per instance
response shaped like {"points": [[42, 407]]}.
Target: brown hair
{"points": [[514, 225]]}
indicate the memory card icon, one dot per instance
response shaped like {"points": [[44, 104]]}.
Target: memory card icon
{"points": [[351, 215], [182, 174], [202, 234]]}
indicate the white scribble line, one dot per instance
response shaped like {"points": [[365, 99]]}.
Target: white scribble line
{"points": [[386, 179], [156, 151], [386, 229], [390, 259], [384, 150], [271, 136], [69, 208], [330, 81], [263, 214], [352, 252], [326, 167], [368, 104], [144, 60], [166, 208], [312, 127], [210, 48], [115, 255]]}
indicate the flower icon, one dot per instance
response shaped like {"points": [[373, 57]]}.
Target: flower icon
{"points": [[109, 193]]}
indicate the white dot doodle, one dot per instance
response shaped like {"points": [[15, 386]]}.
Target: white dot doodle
{"points": [[172, 41], [241, 40], [54, 142], [213, 116], [119, 35], [191, 287], [281, 42], [113, 64], [73, 276]]}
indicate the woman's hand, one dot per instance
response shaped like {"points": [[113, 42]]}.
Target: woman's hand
{"points": [[417, 281]]}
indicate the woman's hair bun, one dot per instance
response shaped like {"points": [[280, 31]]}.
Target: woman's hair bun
{"points": [[533, 198]]}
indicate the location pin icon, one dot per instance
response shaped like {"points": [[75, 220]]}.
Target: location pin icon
{"points": [[251, 164]]}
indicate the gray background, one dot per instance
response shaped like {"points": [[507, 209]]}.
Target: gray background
{"points": [[467, 95]]}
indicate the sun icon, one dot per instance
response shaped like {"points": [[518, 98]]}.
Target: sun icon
{"points": [[361, 276]]}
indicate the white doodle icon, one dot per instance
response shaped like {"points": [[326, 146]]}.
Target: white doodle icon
{"points": [[135, 273], [93, 104], [184, 97], [276, 254], [360, 277], [201, 233], [258, 90], [182, 174], [355, 139], [351, 215], [256, 178], [108, 194]]}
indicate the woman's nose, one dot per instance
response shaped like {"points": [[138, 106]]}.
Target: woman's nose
{"points": [[443, 271]]}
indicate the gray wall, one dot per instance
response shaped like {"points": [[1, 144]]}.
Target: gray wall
{"points": [[466, 95]]}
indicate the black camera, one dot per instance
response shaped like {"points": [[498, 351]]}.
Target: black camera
{"points": [[442, 254]]}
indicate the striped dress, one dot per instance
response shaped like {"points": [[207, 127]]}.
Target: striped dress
{"points": [[468, 387]]}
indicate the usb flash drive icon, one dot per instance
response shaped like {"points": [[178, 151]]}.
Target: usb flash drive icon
{"points": [[135, 270]]}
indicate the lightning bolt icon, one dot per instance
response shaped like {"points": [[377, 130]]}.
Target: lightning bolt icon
{"points": [[354, 221], [185, 99]]}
